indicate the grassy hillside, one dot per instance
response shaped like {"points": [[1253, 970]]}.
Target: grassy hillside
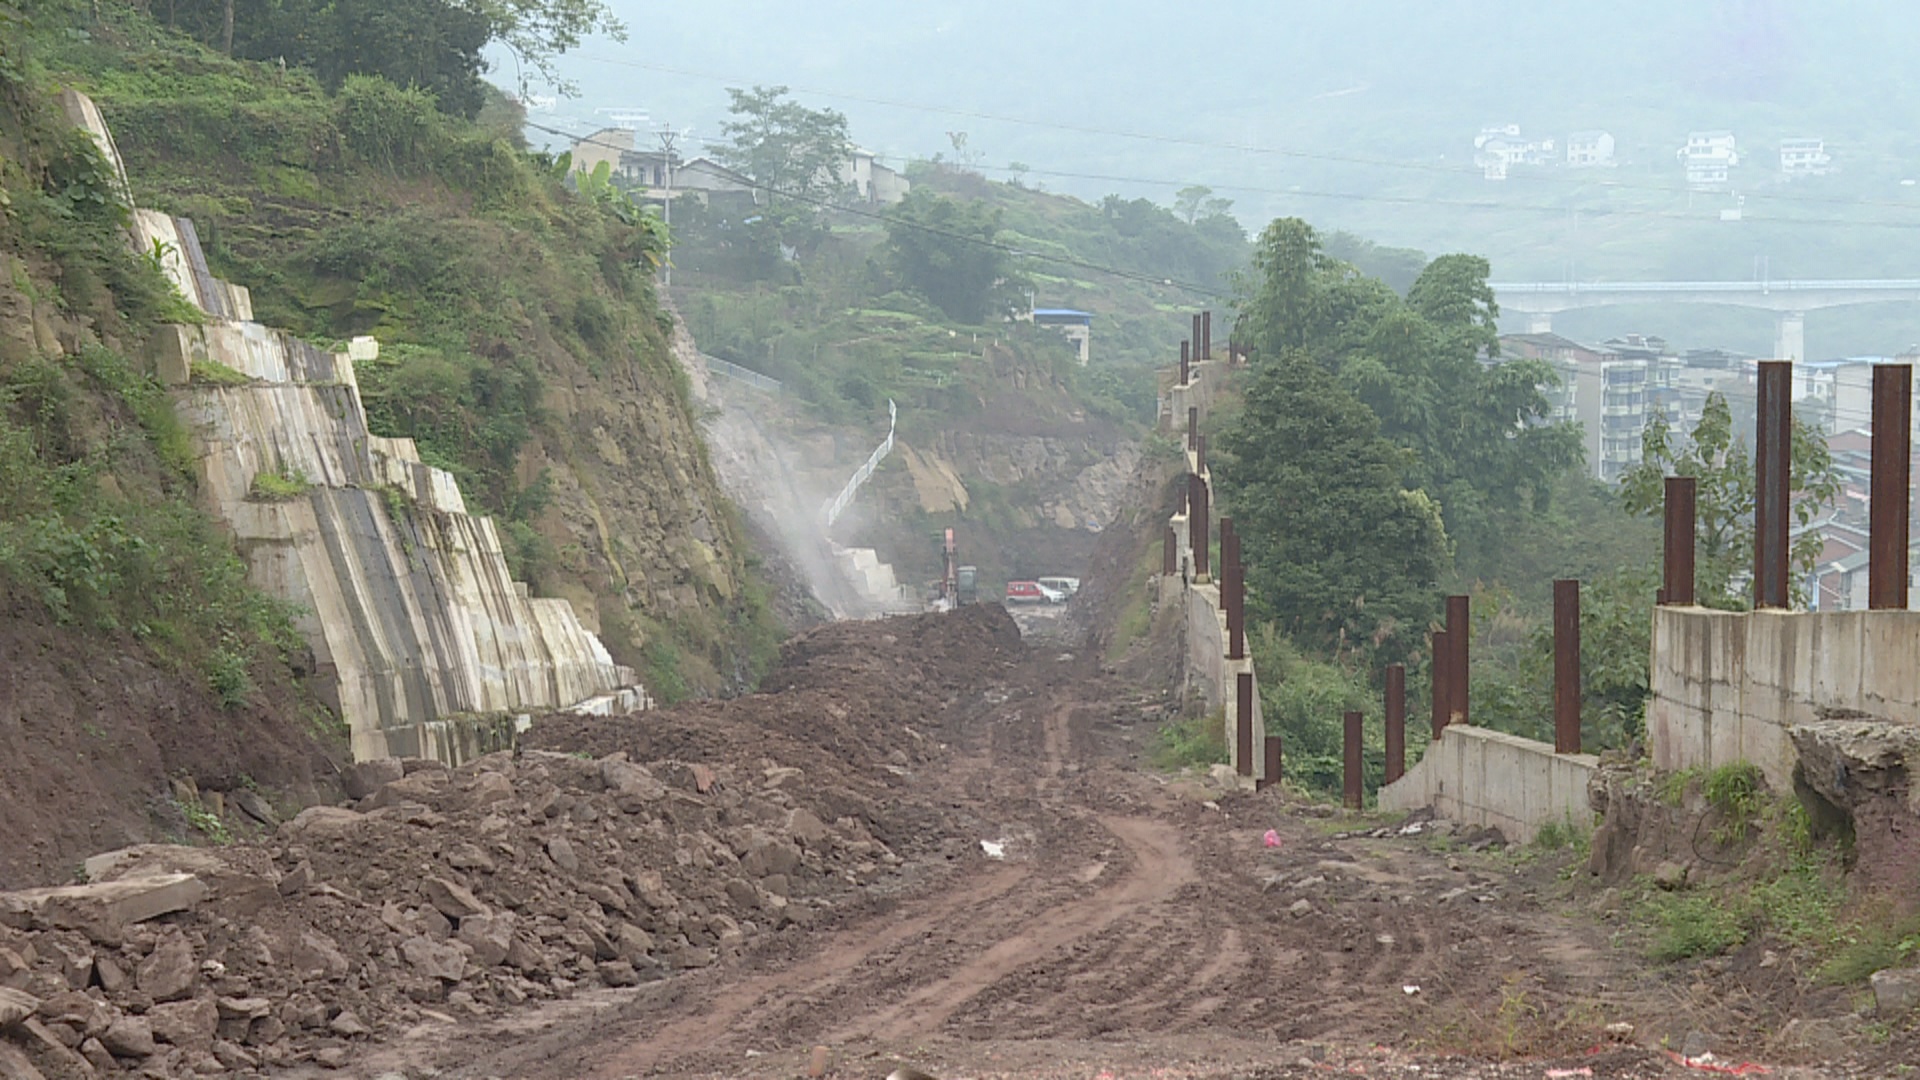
{"points": [[522, 345], [135, 651]]}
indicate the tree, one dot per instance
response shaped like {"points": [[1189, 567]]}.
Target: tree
{"points": [[800, 154], [539, 31], [944, 250], [1723, 474], [1197, 203], [1338, 552], [433, 44], [1480, 438]]}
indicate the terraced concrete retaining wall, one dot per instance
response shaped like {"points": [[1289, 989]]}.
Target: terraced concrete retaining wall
{"points": [[1490, 778], [431, 648], [1728, 685]]}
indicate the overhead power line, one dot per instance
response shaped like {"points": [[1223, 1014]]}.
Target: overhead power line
{"points": [[1216, 144]]}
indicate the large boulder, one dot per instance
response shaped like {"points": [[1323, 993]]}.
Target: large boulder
{"points": [[189, 1024], [1862, 772], [168, 973]]}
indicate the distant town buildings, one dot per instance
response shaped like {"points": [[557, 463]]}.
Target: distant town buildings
{"points": [[1804, 157], [1708, 158], [1613, 389], [1501, 146], [652, 171], [1589, 149]]}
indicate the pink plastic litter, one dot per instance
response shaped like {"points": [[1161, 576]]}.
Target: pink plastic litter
{"points": [[1554, 1074], [1272, 839]]}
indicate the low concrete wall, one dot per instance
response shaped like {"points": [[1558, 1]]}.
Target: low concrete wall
{"points": [[1490, 778], [1727, 686], [1207, 665]]}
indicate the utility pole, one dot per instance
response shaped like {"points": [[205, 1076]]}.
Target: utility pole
{"points": [[668, 137]]}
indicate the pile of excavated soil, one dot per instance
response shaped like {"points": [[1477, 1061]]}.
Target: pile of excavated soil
{"points": [[607, 852], [95, 730]]}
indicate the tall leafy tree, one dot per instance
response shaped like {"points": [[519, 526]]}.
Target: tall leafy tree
{"points": [[432, 44], [1478, 432], [943, 249], [1339, 553], [1723, 473], [797, 152]]}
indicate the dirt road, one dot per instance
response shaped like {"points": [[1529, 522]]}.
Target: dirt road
{"points": [[1131, 926]]}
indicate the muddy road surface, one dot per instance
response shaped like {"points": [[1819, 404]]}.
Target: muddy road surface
{"points": [[1102, 919]]}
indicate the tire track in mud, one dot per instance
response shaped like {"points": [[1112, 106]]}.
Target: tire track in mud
{"points": [[1160, 867], [745, 1003]]}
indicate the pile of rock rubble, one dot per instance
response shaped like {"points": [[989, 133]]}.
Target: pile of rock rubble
{"points": [[439, 892]]}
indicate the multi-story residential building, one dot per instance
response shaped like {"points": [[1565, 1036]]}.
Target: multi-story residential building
{"points": [[1603, 391], [1708, 158], [1804, 157], [1589, 149]]}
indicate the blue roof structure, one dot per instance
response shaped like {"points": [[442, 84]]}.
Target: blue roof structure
{"points": [[1062, 315]]}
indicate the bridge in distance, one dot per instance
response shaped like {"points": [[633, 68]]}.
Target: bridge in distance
{"points": [[1789, 300]]}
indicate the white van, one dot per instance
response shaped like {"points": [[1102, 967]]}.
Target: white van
{"points": [[1065, 586]]}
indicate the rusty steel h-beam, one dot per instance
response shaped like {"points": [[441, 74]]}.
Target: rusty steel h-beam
{"points": [[1892, 476], [1199, 529], [1271, 756], [1396, 721], [1437, 672], [1186, 362], [1566, 666], [1772, 460], [1193, 426], [1237, 599], [1459, 636], [1226, 565], [1197, 344], [1206, 335], [1199, 453], [1243, 723], [1353, 790], [1676, 560]]}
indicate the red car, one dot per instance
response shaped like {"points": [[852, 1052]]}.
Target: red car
{"points": [[1025, 592]]}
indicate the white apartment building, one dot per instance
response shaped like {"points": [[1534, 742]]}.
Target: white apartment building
{"points": [[1708, 158], [1804, 157], [1589, 149]]}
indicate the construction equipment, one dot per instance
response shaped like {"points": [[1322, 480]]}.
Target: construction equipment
{"points": [[968, 580], [947, 589]]}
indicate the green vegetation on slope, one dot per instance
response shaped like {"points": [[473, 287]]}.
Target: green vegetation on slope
{"points": [[851, 304], [98, 524], [522, 346], [1373, 463]]}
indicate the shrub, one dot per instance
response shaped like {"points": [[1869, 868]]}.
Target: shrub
{"points": [[215, 373], [1193, 740], [278, 486], [227, 674], [1693, 924]]}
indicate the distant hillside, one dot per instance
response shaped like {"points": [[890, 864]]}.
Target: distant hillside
{"points": [[1364, 116]]}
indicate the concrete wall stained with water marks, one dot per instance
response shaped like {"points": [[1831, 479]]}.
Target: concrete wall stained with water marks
{"points": [[406, 598], [1490, 778], [1729, 685]]}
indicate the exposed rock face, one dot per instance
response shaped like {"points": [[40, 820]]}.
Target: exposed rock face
{"points": [[1864, 768]]}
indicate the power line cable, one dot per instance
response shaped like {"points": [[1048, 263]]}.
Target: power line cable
{"points": [[1212, 144]]}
